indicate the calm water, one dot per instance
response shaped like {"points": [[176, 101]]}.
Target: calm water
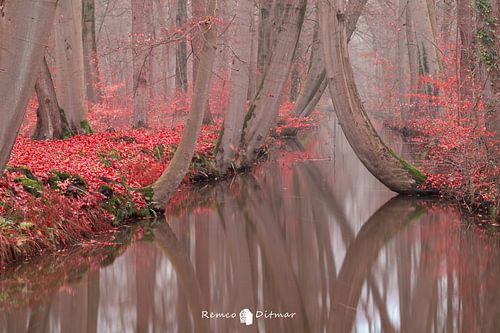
{"points": [[310, 235]]}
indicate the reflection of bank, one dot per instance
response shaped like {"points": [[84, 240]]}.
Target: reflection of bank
{"points": [[279, 253]]}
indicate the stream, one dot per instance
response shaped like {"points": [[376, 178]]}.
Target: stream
{"points": [[309, 241]]}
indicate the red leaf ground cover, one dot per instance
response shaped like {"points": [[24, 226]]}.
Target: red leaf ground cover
{"points": [[57, 193], [41, 210]]}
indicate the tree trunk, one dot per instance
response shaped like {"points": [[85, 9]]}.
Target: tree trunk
{"points": [[69, 63], [51, 122], [24, 30], [141, 28], [397, 174], [400, 61], [235, 112], [315, 75], [181, 81], [252, 85], [489, 40], [467, 51], [168, 182], [412, 56], [264, 37], [428, 56], [199, 10], [264, 108], [315, 84], [91, 64]]}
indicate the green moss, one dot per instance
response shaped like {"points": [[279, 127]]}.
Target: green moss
{"points": [[33, 186], [121, 207], [129, 139], [486, 34], [148, 193], [493, 212], [108, 155], [67, 132], [78, 184], [85, 125], [158, 151], [105, 190], [219, 140], [416, 174], [24, 170]]}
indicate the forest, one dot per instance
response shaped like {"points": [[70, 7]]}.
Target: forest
{"points": [[117, 112]]}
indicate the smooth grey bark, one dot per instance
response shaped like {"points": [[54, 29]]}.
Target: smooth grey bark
{"points": [[428, 57], [399, 57], [235, 113], [315, 83], [395, 173], [69, 63], [411, 43], [315, 76], [168, 182], [181, 80], [264, 108], [264, 44], [199, 11], [51, 122], [252, 84], [141, 30], [90, 60], [24, 29]]}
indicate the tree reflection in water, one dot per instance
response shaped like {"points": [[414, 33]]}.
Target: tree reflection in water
{"points": [[307, 233]]}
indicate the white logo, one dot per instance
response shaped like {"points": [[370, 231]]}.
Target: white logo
{"points": [[246, 317]]}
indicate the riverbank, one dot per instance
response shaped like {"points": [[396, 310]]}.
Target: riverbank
{"points": [[58, 193]]}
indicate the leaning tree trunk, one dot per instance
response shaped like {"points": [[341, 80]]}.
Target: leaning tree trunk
{"points": [[51, 122], [264, 44], [264, 108], [394, 172], [315, 75], [24, 30], [166, 185], [235, 112], [199, 10], [69, 64], [315, 84], [90, 60]]}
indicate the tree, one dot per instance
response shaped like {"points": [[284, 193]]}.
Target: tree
{"points": [[141, 53], [168, 182], [51, 121], [265, 106], [181, 81], [423, 40], [235, 113], [394, 172], [90, 60], [69, 63], [489, 45], [315, 83], [24, 30], [264, 36], [199, 10]]}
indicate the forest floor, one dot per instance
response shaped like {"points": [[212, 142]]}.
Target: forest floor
{"points": [[61, 192]]}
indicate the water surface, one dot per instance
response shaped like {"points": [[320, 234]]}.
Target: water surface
{"points": [[309, 233]]}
